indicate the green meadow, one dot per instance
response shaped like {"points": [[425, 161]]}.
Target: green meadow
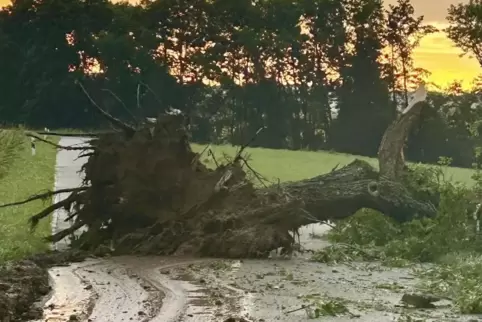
{"points": [[288, 165]]}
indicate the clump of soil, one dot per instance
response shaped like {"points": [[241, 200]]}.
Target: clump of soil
{"points": [[22, 283], [150, 193]]}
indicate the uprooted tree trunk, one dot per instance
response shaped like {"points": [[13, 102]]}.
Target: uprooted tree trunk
{"points": [[146, 191]]}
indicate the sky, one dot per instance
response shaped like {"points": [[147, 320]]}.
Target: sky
{"points": [[436, 52]]}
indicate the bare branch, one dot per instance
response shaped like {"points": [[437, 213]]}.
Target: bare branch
{"points": [[114, 121], [152, 92], [238, 156], [117, 98]]}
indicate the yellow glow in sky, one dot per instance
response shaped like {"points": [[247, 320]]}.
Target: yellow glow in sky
{"points": [[441, 57], [436, 53]]}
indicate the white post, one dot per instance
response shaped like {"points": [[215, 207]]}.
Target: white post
{"points": [[32, 145]]}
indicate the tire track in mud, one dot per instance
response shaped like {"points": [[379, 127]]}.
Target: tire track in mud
{"points": [[137, 289]]}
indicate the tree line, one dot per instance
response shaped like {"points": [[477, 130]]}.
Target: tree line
{"points": [[314, 74]]}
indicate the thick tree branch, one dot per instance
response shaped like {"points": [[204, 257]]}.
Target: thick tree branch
{"points": [[390, 154]]}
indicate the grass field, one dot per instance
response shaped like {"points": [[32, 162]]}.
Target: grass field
{"points": [[296, 165], [27, 175]]}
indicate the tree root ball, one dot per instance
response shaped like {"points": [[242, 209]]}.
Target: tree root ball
{"points": [[145, 191]]}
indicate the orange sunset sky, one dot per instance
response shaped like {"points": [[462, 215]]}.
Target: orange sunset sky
{"points": [[436, 52]]}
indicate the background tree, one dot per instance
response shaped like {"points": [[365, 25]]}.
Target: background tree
{"points": [[313, 73], [465, 27], [363, 101], [403, 34]]}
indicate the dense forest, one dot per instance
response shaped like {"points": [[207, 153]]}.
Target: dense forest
{"points": [[315, 74]]}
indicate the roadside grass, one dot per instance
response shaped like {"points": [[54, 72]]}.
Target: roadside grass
{"points": [[26, 176]]}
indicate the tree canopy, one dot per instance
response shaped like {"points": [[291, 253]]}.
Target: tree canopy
{"points": [[316, 74]]}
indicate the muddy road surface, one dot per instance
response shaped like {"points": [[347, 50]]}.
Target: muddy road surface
{"points": [[161, 289], [138, 289]]}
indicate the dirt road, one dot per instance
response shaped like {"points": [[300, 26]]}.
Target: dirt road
{"points": [[137, 289], [181, 289]]}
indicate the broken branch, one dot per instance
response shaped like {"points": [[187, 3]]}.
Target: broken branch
{"points": [[390, 154]]}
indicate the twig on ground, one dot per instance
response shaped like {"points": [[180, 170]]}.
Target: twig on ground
{"points": [[300, 308]]}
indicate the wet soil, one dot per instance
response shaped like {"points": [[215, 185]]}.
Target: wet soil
{"points": [[138, 289]]}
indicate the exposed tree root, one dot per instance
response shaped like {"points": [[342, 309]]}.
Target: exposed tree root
{"points": [[69, 134], [67, 203], [71, 148], [148, 192], [43, 196]]}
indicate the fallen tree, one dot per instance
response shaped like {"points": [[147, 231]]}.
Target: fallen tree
{"points": [[146, 191]]}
